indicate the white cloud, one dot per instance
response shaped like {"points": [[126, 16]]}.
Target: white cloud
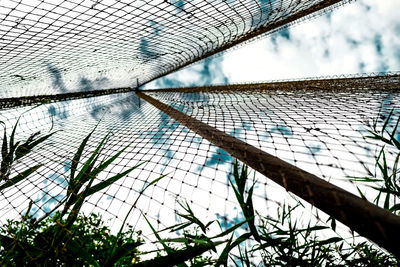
{"points": [[360, 37]]}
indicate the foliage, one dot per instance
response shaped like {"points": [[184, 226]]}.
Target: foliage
{"points": [[68, 237], [281, 241], [12, 151], [87, 241], [385, 180]]}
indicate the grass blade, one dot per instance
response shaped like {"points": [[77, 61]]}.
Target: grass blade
{"points": [[83, 176], [162, 242], [73, 195], [190, 216], [112, 250], [11, 145], [395, 129], [20, 177], [387, 121], [78, 154], [78, 204], [223, 259], [230, 230], [89, 163], [122, 251], [248, 211], [4, 147], [108, 182], [104, 165], [26, 147], [153, 182], [177, 257], [4, 154]]}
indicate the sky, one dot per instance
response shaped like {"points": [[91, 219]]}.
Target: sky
{"points": [[359, 37]]}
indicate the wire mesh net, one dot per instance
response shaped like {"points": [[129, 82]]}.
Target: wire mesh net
{"points": [[318, 125], [69, 142], [50, 47], [322, 131]]}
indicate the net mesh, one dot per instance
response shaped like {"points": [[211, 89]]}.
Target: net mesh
{"points": [[60, 59], [50, 47], [322, 131]]}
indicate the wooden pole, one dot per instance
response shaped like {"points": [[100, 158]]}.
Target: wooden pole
{"points": [[369, 220]]}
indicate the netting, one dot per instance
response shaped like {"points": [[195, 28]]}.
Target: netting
{"points": [[50, 47], [322, 131], [72, 136]]}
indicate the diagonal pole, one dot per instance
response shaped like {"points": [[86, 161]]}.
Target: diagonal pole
{"points": [[369, 220]]}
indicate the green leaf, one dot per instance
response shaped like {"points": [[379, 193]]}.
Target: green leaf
{"points": [[387, 121], [4, 147], [104, 165], [230, 230], [112, 250], [178, 227], [78, 154], [20, 177], [396, 143], [191, 217], [13, 133], [153, 182], [78, 204], [176, 258], [178, 240], [108, 182], [333, 223], [395, 129], [26, 216], [122, 251], [83, 176], [72, 196], [26, 147], [199, 240], [223, 258], [364, 179], [81, 252], [11, 244], [237, 194], [89, 163], [249, 213], [4, 162], [165, 246]]}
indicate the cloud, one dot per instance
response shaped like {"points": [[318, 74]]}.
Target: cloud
{"points": [[58, 113], [56, 77], [282, 130], [206, 72], [146, 50], [219, 157], [360, 37], [179, 5]]}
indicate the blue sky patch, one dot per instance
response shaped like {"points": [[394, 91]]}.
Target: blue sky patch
{"points": [[56, 77], [284, 130], [219, 157]]}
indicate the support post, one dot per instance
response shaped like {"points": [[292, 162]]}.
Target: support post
{"points": [[369, 220]]}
